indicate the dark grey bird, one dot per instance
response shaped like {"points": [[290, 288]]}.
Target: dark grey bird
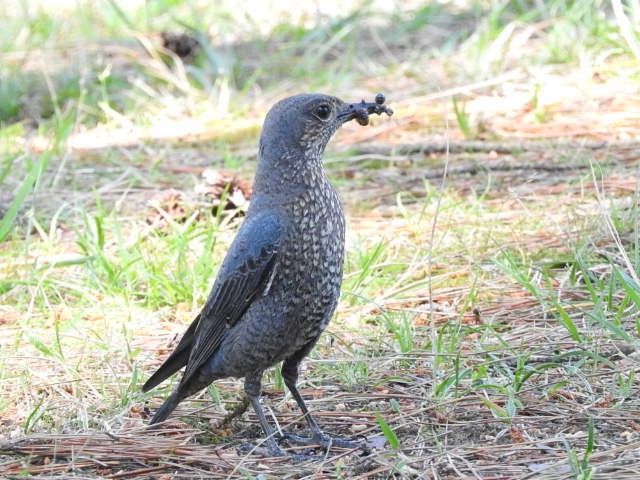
{"points": [[279, 283]]}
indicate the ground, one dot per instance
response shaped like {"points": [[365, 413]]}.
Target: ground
{"points": [[488, 324]]}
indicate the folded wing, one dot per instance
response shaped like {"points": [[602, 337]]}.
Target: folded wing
{"points": [[245, 273]]}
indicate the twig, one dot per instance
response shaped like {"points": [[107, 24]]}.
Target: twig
{"points": [[432, 313], [474, 146], [137, 473], [236, 412], [477, 168]]}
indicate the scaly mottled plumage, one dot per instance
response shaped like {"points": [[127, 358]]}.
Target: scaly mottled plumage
{"points": [[279, 283]]}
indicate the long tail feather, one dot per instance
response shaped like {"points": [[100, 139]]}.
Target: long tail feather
{"points": [[166, 408], [174, 362]]}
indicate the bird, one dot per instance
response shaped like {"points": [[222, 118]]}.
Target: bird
{"points": [[278, 285]]}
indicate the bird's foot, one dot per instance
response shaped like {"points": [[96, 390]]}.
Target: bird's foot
{"points": [[245, 449], [326, 441]]}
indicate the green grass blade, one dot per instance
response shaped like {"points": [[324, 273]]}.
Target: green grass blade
{"points": [[495, 409], [564, 318], [630, 286], [388, 432], [462, 118], [30, 180]]}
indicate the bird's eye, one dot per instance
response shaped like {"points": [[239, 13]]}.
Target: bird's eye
{"points": [[323, 112]]}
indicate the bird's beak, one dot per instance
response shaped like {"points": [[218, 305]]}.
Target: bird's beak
{"points": [[361, 111]]}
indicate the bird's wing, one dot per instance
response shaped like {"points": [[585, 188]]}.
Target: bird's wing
{"points": [[244, 274]]}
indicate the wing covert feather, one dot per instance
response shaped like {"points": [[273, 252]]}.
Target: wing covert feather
{"points": [[244, 274]]}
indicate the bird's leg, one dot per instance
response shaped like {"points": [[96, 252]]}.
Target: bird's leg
{"points": [[290, 376], [252, 387]]}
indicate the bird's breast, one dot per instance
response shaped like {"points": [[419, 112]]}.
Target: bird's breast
{"points": [[311, 261]]}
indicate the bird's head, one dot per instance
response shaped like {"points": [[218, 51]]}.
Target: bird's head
{"points": [[298, 128]]}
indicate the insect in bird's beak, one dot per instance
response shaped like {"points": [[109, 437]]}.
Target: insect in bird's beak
{"points": [[360, 111]]}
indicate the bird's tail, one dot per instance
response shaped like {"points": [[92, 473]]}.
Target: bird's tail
{"points": [[182, 391], [166, 408]]}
